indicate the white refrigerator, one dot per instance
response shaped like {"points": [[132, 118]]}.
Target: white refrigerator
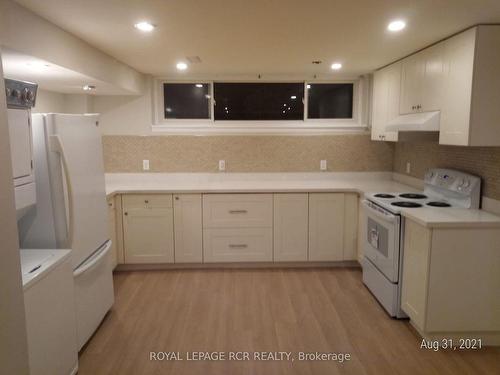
{"points": [[71, 210]]}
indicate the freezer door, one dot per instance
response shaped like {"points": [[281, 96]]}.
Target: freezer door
{"points": [[76, 149], [94, 294]]}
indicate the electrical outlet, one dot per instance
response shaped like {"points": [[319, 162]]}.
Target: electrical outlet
{"points": [[222, 165], [408, 167], [145, 165], [322, 165]]}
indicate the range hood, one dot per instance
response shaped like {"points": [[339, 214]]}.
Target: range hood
{"points": [[415, 122]]}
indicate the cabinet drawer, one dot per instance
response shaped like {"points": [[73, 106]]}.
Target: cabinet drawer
{"points": [[147, 201], [237, 210], [237, 245]]}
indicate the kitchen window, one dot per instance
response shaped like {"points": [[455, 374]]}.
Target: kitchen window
{"points": [[186, 100], [256, 107], [330, 100], [259, 101]]}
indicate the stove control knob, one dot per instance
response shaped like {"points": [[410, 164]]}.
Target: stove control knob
{"points": [[466, 184], [28, 95], [16, 94]]}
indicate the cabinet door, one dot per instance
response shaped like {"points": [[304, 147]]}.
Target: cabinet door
{"points": [[290, 227], [112, 231], [417, 243], [456, 111], [386, 97], [434, 78], [148, 235], [412, 72], [351, 227], [326, 226], [188, 228]]}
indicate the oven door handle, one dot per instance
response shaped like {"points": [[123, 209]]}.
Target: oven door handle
{"points": [[388, 217]]}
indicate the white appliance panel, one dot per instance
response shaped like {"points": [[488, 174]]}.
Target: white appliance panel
{"points": [[78, 142], [20, 142]]}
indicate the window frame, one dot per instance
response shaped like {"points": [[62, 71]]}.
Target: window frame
{"points": [[304, 126]]}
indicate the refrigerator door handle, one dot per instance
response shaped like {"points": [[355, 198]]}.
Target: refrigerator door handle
{"points": [[57, 146], [93, 260]]}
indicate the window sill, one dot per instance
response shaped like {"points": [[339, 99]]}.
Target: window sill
{"points": [[309, 127]]}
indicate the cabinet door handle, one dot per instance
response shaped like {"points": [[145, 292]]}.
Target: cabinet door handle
{"points": [[125, 213], [176, 198], [238, 246], [238, 211], [146, 201]]}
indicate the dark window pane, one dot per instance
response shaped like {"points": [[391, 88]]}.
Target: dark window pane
{"points": [[186, 100], [330, 100], [259, 101]]}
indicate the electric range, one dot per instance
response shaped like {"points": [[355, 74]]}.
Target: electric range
{"points": [[444, 189]]}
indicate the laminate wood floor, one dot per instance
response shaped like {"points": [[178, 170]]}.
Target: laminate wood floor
{"points": [[289, 310]]}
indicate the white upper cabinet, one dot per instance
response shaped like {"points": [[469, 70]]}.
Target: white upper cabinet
{"points": [[471, 110], [423, 80], [386, 97], [460, 77]]}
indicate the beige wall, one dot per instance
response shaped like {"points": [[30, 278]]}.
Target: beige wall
{"points": [[346, 152], [55, 102], [13, 343], [482, 161], [28, 33]]}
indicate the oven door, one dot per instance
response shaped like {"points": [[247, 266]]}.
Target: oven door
{"points": [[382, 240]]}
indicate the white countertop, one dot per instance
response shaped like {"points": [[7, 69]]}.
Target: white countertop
{"points": [[357, 182]]}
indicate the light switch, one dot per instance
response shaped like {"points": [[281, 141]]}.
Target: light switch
{"points": [[322, 165], [145, 165], [408, 167]]}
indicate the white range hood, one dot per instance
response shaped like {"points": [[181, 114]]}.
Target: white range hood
{"points": [[415, 122]]}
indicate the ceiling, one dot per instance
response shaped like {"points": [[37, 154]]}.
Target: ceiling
{"points": [[52, 77], [268, 37]]}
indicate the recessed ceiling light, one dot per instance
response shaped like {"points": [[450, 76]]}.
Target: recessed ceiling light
{"points": [[336, 66], [144, 26], [396, 25], [88, 88], [199, 85], [181, 66]]}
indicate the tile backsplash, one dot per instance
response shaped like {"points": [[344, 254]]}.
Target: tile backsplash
{"points": [[343, 152], [481, 161]]}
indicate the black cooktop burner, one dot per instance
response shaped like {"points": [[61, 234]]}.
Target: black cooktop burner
{"points": [[438, 204], [406, 204], [412, 196], [383, 195]]}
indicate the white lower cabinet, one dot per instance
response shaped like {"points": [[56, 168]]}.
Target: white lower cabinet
{"points": [[326, 226], [112, 231], [238, 245], [291, 220], [188, 231], [208, 228], [148, 229]]}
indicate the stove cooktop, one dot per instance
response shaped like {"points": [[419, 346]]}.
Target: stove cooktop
{"points": [[395, 201]]}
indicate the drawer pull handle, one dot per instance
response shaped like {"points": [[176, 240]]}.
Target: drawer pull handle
{"points": [[146, 201], [238, 211], [238, 246]]}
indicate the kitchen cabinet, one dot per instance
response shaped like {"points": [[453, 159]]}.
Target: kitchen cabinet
{"points": [[423, 77], [291, 227], [386, 97], [237, 227], [326, 226], [112, 231], [450, 284], [188, 228], [148, 228], [470, 112]]}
